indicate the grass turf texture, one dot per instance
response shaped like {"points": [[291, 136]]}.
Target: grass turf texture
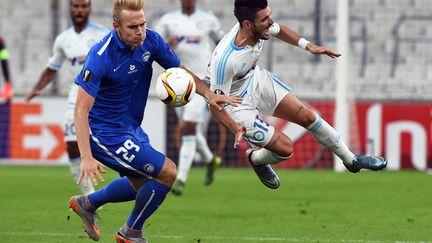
{"points": [[310, 206]]}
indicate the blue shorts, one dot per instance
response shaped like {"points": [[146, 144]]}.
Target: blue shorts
{"points": [[128, 153]]}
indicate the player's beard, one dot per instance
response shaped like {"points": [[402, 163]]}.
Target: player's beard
{"points": [[83, 21], [258, 35]]}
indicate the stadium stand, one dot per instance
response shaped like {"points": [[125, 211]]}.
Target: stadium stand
{"points": [[391, 42]]}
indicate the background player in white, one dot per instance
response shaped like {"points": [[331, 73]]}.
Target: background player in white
{"points": [[192, 33], [72, 45], [234, 71]]}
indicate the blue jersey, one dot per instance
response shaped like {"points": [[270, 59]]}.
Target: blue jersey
{"points": [[119, 80]]}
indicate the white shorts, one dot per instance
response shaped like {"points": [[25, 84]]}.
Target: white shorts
{"points": [[194, 111], [261, 97], [69, 124]]}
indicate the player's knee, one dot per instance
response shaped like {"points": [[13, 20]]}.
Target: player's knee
{"points": [[286, 149], [168, 174], [289, 148], [189, 128], [307, 118]]}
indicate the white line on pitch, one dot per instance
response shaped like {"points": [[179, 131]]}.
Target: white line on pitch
{"points": [[231, 239]]}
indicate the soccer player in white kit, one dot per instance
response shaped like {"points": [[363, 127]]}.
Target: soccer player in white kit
{"points": [[72, 45], [234, 71], [192, 33]]}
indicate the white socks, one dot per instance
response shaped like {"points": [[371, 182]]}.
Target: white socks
{"points": [[204, 149], [186, 156], [74, 165], [264, 156], [330, 138]]}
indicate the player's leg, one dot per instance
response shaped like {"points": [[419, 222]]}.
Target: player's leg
{"points": [[212, 160], [292, 109], [190, 115], [209, 158], [272, 146], [186, 155], [150, 196], [118, 190]]}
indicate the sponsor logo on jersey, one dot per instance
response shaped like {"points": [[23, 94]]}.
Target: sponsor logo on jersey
{"points": [[146, 56], [87, 75], [219, 92], [132, 69]]}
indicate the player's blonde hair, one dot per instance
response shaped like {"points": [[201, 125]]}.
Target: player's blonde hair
{"points": [[119, 5]]}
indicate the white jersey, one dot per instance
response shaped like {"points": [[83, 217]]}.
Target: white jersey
{"points": [[230, 64], [194, 34], [234, 71], [73, 47]]}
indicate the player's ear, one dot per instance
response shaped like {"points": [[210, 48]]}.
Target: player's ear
{"points": [[116, 25], [247, 24]]}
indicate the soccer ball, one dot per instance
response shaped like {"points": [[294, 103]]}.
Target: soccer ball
{"points": [[175, 87]]}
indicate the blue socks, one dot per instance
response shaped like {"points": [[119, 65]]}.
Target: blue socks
{"points": [[119, 190], [149, 197]]}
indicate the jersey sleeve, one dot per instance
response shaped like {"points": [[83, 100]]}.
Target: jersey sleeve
{"points": [[165, 56], [92, 73], [58, 56]]}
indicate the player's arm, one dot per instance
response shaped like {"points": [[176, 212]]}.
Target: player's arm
{"points": [[225, 119], [288, 35], [215, 100], [54, 64], [90, 167], [46, 77]]}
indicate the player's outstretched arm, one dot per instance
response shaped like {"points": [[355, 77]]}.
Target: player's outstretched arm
{"points": [[316, 49], [46, 77], [288, 35], [90, 167], [225, 119]]}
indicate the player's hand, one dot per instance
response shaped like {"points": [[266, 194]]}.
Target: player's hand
{"points": [[90, 168], [239, 136], [31, 95], [216, 100], [315, 49]]}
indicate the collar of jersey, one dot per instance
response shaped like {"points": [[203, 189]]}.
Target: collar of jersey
{"points": [[233, 46], [118, 41]]}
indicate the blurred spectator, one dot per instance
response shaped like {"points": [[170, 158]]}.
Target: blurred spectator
{"points": [[7, 91]]}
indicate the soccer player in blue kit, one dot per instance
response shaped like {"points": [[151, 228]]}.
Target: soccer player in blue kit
{"points": [[112, 96]]}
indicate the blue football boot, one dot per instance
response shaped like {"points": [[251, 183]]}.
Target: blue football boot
{"points": [[366, 162], [264, 172]]}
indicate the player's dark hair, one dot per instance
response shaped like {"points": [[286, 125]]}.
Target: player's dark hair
{"points": [[70, 3], [247, 9]]}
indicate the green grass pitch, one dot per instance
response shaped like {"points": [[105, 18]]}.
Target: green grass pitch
{"points": [[310, 206]]}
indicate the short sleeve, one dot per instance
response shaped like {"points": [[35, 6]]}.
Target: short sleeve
{"points": [[92, 73], [58, 56], [165, 56]]}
